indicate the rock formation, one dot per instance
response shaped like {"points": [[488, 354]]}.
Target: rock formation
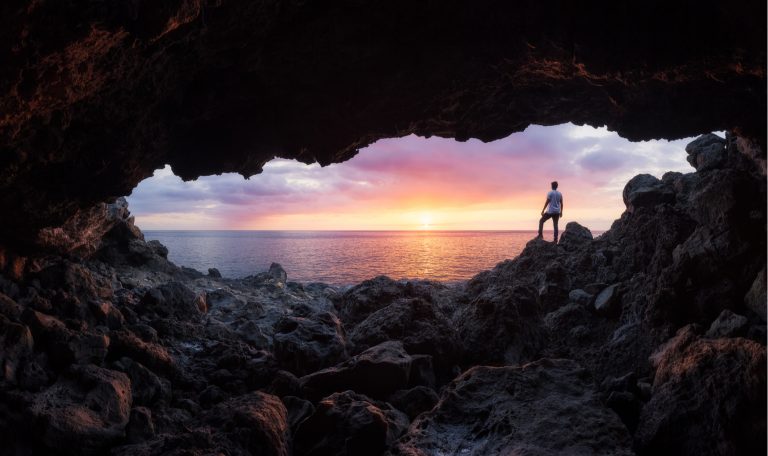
{"points": [[95, 96], [647, 339]]}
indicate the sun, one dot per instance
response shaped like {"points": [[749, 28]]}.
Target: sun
{"points": [[426, 221]]}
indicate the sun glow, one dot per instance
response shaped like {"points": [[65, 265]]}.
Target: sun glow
{"points": [[426, 221]]}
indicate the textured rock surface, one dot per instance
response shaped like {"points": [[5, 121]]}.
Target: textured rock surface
{"points": [[546, 407], [121, 351], [717, 384], [96, 96], [376, 372], [349, 424]]}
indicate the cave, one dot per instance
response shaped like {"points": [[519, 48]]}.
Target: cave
{"points": [[647, 340]]}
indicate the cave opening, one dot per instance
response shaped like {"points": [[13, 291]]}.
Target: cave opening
{"points": [[413, 207], [647, 339]]}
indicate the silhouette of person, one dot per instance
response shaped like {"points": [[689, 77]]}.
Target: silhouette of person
{"points": [[553, 208]]}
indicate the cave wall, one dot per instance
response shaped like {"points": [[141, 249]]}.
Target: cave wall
{"points": [[96, 95]]}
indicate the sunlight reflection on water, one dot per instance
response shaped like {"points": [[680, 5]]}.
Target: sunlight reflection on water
{"points": [[345, 257]]}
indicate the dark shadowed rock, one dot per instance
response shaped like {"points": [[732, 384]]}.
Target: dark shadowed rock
{"points": [[140, 425], [213, 272], [305, 344], [124, 343], [349, 424], [16, 345], [581, 297], [366, 298], [575, 235], [502, 326], [414, 401], [376, 372], [418, 324], [709, 397], [545, 407], [146, 387], [755, 299], [728, 324], [174, 300], [85, 411], [645, 190], [298, 410], [706, 152], [277, 273], [256, 423]]}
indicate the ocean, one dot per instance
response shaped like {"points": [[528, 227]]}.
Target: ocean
{"points": [[345, 257]]}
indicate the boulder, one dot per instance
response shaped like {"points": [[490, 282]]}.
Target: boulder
{"points": [[645, 190], [728, 324], [214, 273], [581, 297], [85, 411], [349, 424], [575, 235], [608, 301], [415, 322], [306, 344], [256, 423], [708, 397], [414, 401], [173, 300], [277, 273], [376, 372], [146, 387], [140, 425], [298, 410], [124, 343], [355, 304], [545, 407], [502, 325], [707, 152], [16, 346]]}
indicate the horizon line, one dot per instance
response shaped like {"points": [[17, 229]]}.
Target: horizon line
{"points": [[367, 231]]}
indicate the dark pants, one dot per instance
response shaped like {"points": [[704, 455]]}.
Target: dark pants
{"points": [[544, 218]]}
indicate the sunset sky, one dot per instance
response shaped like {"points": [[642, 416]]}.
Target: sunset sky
{"points": [[415, 183]]}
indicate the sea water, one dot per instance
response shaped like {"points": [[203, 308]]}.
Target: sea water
{"points": [[345, 257]]}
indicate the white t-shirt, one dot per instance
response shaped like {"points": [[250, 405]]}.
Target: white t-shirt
{"points": [[555, 201]]}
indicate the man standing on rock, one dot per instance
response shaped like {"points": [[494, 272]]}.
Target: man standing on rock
{"points": [[553, 208]]}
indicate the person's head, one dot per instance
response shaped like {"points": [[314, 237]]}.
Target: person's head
{"points": [[554, 185]]}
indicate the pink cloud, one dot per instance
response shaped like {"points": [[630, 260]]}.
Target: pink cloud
{"points": [[397, 176]]}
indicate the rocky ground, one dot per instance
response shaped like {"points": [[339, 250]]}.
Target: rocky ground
{"points": [[650, 339]]}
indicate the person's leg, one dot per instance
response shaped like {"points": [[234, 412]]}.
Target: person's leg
{"points": [[543, 219], [555, 218]]}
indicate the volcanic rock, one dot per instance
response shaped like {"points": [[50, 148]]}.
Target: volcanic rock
{"points": [[16, 345], [728, 324], [414, 401], [706, 152], [418, 324], [545, 407], [575, 235], [502, 326], [305, 344], [84, 412], [376, 372], [718, 384], [349, 424], [645, 190]]}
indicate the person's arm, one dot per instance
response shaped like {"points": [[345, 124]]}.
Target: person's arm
{"points": [[562, 205], [546, 203]]}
